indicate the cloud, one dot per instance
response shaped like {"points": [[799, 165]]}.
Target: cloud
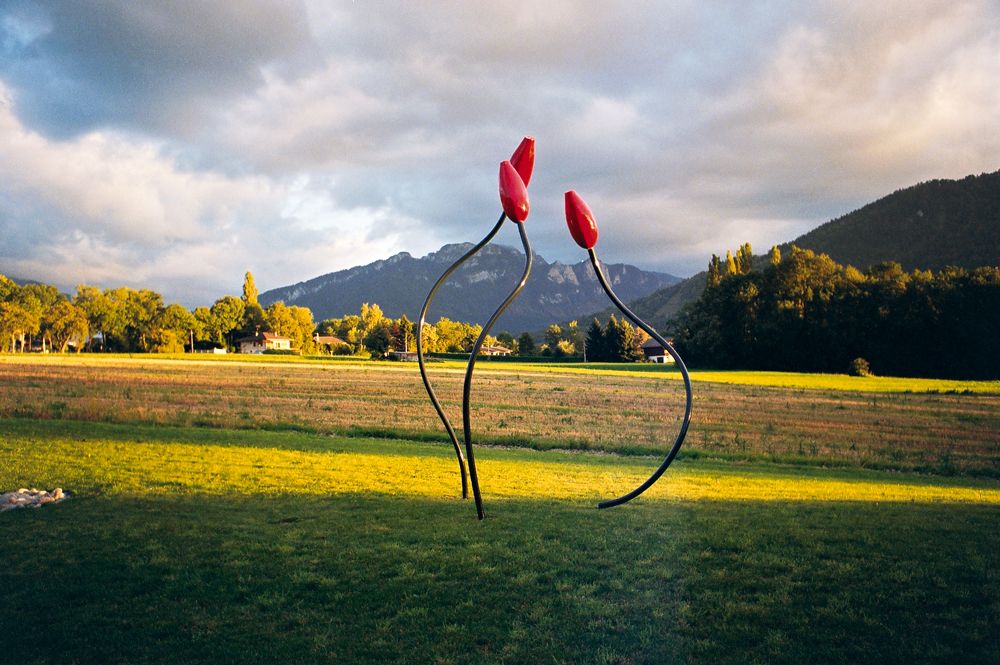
{"points": [[317, 136], [106, 210], [86, 65]]}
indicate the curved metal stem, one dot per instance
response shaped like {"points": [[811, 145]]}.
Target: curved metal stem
{"points": [[420, 350], [466, 419], [684, 373]]}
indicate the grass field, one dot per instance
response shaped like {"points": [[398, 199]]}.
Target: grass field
{"points": [[632, 413], [220, 513]]}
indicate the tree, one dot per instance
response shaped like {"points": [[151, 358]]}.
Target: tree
{"points": [[379, 340], [249, 290], [621, 341], [205, 325], [454, 336], [744, 259], [96, 307], [7, 287], [17, 323], [714, 271], [143, 309], [563, 348], [302, 332], [507, 340], [65, 323], [774, 258], [174, 328], [227, 315], [350, 331], [572, 335], [404, 338], [429, 338], [280, 320], [253, 319], [612, 339], [553, 334], [525, 344], [596, 346], [371, 317], [730, 264], [117, 318], [40, 299]]}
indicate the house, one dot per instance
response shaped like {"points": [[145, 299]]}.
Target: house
{"points": [[262, 342], [494, 351], [327, 343], [655, 352], [406, 356]]}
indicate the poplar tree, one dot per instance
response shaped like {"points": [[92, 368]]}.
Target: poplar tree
{"points": [[249, 289]]}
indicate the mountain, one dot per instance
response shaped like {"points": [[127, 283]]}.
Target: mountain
{"points": [[399, 284], [659, 306], [928, 226]]}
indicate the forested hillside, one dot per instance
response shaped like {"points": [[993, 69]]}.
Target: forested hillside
{"points": [[805, 312], [928, 226]]}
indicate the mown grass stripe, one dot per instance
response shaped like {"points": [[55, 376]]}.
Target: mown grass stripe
{"points": [[153, 467]]}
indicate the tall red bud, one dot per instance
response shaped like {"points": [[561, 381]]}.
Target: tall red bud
{"points": [[581, 222], [513, 193], [523, 159]]}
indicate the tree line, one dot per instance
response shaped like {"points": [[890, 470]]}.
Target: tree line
{"points": [[139, 321], [130, 320], [805, 312]]}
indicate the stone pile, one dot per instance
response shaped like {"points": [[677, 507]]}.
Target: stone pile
{"points": [[33, 498]]}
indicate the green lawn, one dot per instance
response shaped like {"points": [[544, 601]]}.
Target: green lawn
{"points": [[207, 545]]}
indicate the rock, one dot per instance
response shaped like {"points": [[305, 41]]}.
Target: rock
{"points": [[34, 498]]}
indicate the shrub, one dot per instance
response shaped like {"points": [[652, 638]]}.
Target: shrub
{"points": [[860, 367]]}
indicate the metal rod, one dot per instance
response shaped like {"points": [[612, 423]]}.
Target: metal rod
{"points": [[420, 351], [684, 373], [466, 418]]}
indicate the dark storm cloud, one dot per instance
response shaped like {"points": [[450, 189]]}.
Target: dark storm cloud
{"points": [[80, 65]]}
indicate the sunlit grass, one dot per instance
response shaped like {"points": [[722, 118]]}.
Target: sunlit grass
{"points": [[841, 382], [168, 461]]}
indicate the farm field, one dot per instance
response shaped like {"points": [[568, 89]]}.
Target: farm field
{"points": [[540, 406], [310, 512]]}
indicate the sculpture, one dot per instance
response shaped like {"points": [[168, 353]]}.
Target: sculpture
{"points": [[583, 228], [523, 161], [513, 181]]}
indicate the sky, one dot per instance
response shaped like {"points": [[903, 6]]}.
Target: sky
{"points": [[177, 144]]}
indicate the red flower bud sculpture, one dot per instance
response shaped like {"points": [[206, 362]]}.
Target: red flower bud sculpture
{"points": [[523, 159], [514, 177], [513, 193], [581, 222], [583, 228], [514, 199]]}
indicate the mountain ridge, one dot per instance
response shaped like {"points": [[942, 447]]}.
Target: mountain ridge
{"points": [[400, 283], [945, 223]]}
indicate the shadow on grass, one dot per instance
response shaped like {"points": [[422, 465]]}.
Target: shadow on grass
{"points": [[358, 579]]}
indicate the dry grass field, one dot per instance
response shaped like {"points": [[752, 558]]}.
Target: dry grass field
{"points": [[629, 413]]}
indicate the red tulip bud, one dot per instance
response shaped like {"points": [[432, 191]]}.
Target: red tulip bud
{"points": [[513, 193], [581, 222], [523, 159]]}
